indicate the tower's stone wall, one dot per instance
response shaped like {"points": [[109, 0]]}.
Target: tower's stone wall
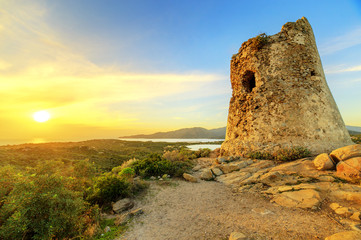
{"points": [[280, 96]]}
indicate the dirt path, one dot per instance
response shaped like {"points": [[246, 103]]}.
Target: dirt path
{"points": [[210, 210]]}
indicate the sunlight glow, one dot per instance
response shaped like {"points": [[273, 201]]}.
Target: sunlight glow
{"points": [[41, 116]]}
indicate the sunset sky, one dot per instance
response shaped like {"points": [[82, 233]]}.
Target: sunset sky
{"points": [[104, 69]]}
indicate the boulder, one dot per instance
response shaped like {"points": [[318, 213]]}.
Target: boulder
{"points": [[324, 162], [189, 177], [216, 171], [348, 235], [270, 178], [220, 160], [350, 168], [206, 174], [344, 153], [356, 216], [237, 236], [227, 168], [123, 205]]}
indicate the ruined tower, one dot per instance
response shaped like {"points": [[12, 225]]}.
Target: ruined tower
{"points": [[280, 96]]}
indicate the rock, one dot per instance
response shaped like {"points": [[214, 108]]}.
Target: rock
{"points": [[234, 179], [302, 167], [354, 197], [306, 198], [124, 218], [348, 235], [197, 168], [152, 178], [324, 162], [206, 174], [221, 160], [190, 178], [237, 236], [344, 153], [334, 206], [343, 211], [216, 171], [350, 168], [123, 205], [356, 216], [165, 176], [270, 178], [107, 229], [227, 168], [326, 179]]}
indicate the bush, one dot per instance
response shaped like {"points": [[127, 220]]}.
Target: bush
{"points": [[203, 152], [127, 173], [108, 188], [260, 41], [289, 154], [260, 155], [283, 155], [42, 207], [155, 165]]}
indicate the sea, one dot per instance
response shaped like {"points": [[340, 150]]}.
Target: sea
{"points": [[194, 144]]}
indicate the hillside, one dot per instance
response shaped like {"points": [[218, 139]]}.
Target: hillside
{"points": [[192, 133]]}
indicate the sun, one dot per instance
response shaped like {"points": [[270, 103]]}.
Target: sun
{"points": [[41, 116]]}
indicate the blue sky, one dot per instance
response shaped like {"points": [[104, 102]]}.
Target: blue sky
{"points": [[108, 68]]}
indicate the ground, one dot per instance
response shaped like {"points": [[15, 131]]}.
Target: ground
{"points": [[211, 210]]}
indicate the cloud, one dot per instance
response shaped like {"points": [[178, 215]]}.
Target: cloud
{"points": [[38, 71], [342, 69], [339, 43]]}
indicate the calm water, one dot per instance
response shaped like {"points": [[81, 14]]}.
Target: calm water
{"points": [[42, 140], [196, 147]]}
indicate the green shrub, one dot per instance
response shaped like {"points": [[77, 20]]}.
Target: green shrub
{"points": [[127, 173], [289, 154], [155, 165], [283, 155], [260, 155], [203, 152], [42, 207], [108, 188]]}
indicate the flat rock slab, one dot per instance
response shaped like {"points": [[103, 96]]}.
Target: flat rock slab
{"points": [[306, 198], [348, 235]]}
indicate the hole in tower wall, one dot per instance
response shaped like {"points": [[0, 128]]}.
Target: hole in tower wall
{"points": [[249, 81], [313, 73]]}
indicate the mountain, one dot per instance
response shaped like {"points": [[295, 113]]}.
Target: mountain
{"points": [[353, 129], [190, 133]]}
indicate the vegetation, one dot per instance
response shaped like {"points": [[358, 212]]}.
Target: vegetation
{"points": [[56, 190], [260, 41], [356, 138], [282, 155]]}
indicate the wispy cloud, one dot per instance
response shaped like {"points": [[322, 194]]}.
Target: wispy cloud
{"points": [[38, 71], [342, 69], [339, 43]]}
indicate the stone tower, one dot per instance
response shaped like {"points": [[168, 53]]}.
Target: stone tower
{"points": [[280, 96]]}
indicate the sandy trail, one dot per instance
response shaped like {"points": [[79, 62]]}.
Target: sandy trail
{"points": [[210, 210]]}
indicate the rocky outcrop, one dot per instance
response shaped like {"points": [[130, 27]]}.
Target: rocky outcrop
{"points": [[280, 96]]}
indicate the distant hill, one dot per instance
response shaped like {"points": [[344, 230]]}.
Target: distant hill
{"points": [[190, 133], [199, 132], [354, 130]]}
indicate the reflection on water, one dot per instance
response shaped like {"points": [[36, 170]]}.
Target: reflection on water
{"points": [[171, 140], [196, 147]]}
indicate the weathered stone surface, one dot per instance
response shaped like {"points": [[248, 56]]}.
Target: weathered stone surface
{"points": [[227, 168], [324, 162], [354, 197], [280, 96], [270, 178], [350, 168], [326, 179], [124, 218], [356, 216], [216, 171], [189, 177], [206, 174], [123, 205], [237, 236], [303, 167], [307, 198], [343, 211], [334, 206], [344, 153], [233, 178], [348, 235]]}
